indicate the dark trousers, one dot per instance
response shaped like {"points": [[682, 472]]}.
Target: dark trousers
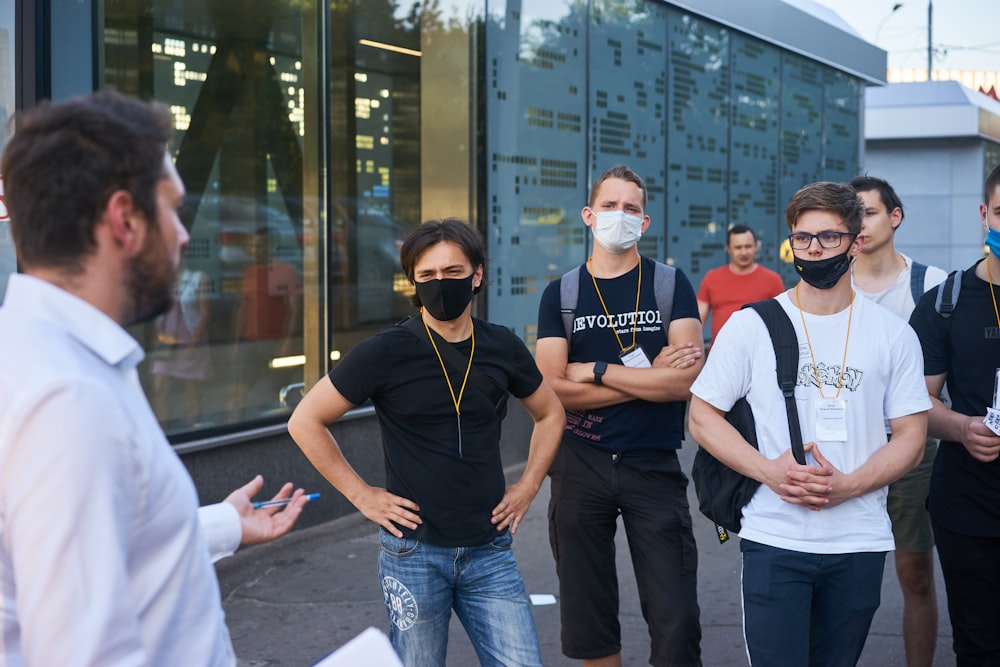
{"points": [[808, 609], [971, 569], [590, 488]]}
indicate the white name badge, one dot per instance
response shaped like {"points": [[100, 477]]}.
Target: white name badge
{"points": [[992, 420], [831, 420], [635, 358]]}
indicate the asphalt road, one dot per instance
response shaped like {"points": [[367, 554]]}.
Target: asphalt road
{"points": [[290, 603]]}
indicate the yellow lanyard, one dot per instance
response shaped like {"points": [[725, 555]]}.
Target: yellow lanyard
{"points": [[461, 392], [990, 276], [635, 321], [840, 380]]}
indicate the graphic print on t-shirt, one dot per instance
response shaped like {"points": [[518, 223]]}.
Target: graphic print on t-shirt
{"points": [[829, 376], [644, 321]]}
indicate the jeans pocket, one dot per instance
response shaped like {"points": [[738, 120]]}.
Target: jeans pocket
{"points": [[502, 541], [396, 546]]}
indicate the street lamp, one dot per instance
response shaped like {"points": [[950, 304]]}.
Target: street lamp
{"points": [[895, 8], [930, 47]]}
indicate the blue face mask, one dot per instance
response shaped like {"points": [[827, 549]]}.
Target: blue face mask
{"points": [[993, 241]]}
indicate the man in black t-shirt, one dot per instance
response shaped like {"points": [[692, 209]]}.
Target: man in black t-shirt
{"points": [[963, 352], [446, 518], [624, 384]]}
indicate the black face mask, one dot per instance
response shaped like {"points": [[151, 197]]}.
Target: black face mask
{"points": [[823, 273], [446, 298]]}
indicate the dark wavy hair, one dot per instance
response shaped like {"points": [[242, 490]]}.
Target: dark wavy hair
{"points": [[838, 198], [992, 181], [740, 229], [433, 232], [885, 192], [65, 161]]}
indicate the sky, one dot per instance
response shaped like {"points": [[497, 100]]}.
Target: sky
{"points": [[964, 32]]}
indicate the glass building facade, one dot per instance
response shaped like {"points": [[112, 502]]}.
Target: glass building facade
{"points": [[313, 137]]}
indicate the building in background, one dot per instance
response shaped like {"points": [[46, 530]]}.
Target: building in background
{"points": [[313, 136], [976, 79], [935, 142]]}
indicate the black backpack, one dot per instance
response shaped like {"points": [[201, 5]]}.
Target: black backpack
{"points": [[723, 492]]}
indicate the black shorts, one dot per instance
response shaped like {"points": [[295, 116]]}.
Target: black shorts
{"points": [[590, 488]]}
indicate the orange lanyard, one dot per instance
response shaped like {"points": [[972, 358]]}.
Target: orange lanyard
{"points": [[635, 321], [843, 364]]}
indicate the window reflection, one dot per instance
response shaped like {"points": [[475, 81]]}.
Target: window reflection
{"points": [[236, 82], [277, 102]]}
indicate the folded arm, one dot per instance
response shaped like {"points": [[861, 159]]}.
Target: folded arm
{"points": [[709, 428], [669, 379], [943, 422]]}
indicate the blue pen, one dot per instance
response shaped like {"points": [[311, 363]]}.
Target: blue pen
{"points": [[283, 501]]}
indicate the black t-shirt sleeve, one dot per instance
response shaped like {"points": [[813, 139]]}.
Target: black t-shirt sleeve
{"points": [[525, 377], [358, 376], [685, 302], [932, 330], [550, 324]]}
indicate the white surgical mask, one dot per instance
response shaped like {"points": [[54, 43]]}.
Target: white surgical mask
{"points": [[616, 231]]}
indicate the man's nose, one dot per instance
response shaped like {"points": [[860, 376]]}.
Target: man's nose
{"points": [[183, 236]]}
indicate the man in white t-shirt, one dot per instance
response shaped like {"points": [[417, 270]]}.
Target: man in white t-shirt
{"points": [[814, 536], [894, 281]]}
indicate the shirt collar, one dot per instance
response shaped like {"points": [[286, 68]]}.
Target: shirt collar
{"points": [[78, 318]]}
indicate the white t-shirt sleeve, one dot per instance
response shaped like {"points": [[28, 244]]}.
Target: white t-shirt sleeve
{"points": [[220, 525], [934, 277], [726, 375], [906, 390]]}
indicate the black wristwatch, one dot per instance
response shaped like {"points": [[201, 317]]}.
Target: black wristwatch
{"points": [[599, 368]]}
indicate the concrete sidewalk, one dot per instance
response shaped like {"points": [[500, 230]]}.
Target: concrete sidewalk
{"points": [[290, 603]]}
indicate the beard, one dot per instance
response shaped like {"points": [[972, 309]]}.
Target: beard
{"points": [[150, 278]]}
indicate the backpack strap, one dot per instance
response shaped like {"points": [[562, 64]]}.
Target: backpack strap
{"points": [[786, 355], [917, 273], [664, 278], [947, 294], [569, 296]]}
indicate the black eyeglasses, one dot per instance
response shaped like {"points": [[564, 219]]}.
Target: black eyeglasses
{"points": [[829, 239]]}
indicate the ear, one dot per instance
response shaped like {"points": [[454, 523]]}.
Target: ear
{"points": [[895, 218], [983, 210], [123, 223], [855, 249], [588, 216], [645, 223], [477, 277]]}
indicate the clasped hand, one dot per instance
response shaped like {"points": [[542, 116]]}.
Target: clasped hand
{"points": [[815, 487]]}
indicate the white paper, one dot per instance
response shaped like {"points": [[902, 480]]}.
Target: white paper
{"points": [[369, 649], [542, 599], [992, 420]]}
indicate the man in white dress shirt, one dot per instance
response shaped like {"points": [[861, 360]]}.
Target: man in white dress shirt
{"points": [[103, 559]]}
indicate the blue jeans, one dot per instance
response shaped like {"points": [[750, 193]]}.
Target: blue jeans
{"points": [[422, 583]]}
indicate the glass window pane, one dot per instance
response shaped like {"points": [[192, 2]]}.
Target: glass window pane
{"points": [[237, 84], [400, 147], [8, 258]]}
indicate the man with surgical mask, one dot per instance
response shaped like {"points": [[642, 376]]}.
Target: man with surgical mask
{"points": [[814, 536], [446, 519], [963, 351], [622, 368]]}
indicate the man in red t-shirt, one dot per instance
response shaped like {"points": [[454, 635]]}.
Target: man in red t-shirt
{"points": [[726, 289], [267, 325]]}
